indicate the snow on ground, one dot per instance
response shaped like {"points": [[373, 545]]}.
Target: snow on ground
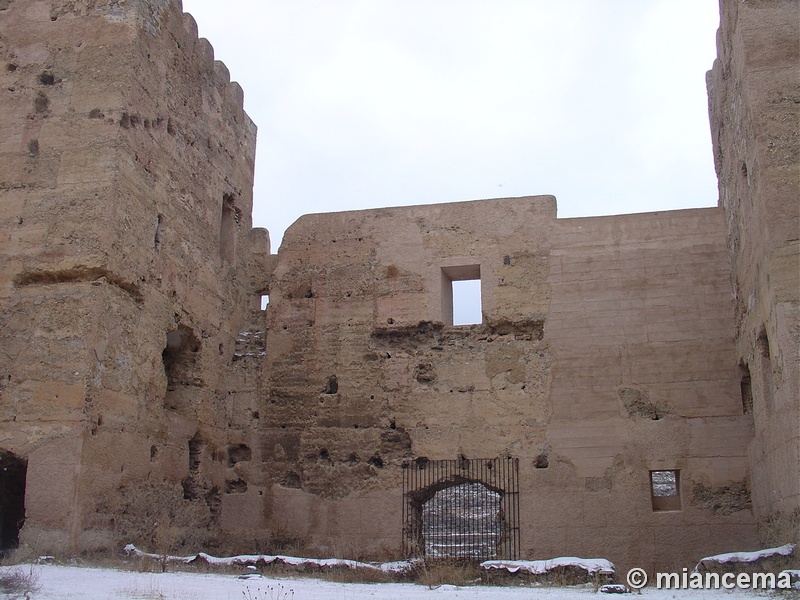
{"points": [[73, 583]]}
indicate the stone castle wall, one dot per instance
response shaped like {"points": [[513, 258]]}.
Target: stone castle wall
{"points": [[605, 352], [754, 91], [151, 402]]}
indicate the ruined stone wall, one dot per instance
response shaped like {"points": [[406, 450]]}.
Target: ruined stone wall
{"points": [[754, 91], [126, 166], [605, 352], [152, 402]]}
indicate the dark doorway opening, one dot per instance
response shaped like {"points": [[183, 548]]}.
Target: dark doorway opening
{"points": [[463, 508], [181, 358], [13, 471]]}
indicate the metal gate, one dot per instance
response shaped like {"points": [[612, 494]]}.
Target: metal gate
{"points": [[463, 508]]}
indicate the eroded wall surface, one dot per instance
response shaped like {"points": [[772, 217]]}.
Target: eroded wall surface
{"points": [[126, 166], [605, 352], [754, 91], [152, 402]]}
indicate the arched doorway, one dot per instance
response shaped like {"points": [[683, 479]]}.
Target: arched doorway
{"points": [[462, 521], [464, 508]]}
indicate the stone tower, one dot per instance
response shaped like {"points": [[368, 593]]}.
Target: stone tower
{"points": [[126, 170], [754, 94]]}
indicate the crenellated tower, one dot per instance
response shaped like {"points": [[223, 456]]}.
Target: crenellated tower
{"points": [[126, 172]]}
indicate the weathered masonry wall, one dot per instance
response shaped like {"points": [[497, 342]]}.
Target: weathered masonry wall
{"points": [[144, 397], [605, 353], [754, 92], [126, 166]]}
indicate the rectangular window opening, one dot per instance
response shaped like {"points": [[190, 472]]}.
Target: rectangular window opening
{"points": [[665, 490], [264, 301], [461, 295]]}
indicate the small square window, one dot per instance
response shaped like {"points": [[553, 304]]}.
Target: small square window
{"points": [[461, 295], [264, 301], [665, 490]]}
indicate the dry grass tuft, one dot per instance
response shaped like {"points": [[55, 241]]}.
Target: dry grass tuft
{"points": [[348, 575], [19, 583], [434, 573], [269, 592], [558, 577]]}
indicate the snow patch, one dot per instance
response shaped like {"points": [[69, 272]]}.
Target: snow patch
{"points": [[614, 588], [399, 567], [540, 567], [745, 557], [794, 577]]}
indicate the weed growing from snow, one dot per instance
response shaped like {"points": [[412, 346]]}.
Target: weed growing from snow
{"points": [[19, 583], [271, 592]]}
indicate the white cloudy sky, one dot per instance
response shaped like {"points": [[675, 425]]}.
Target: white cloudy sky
{"points": [[369, 103]]}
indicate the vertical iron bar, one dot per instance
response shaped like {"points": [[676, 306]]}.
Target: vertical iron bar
{"points": [[503, 484], [519, 530], [517, 547], [485, 533], [504, 523], [509, 485], [512, 508]]}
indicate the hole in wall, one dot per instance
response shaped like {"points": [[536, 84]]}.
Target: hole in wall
{"points": [[461, 295], [158, 235], [235, 486], [46, 78], [41, 103], [665, 490], [195, 452], [467, 302], [239, 453], [180, 358], [332, 385], [767, 383], [292, 480], [13, 472], [746, 389]]}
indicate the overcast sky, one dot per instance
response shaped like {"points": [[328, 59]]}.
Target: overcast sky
{"points": [[371, 103]]}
